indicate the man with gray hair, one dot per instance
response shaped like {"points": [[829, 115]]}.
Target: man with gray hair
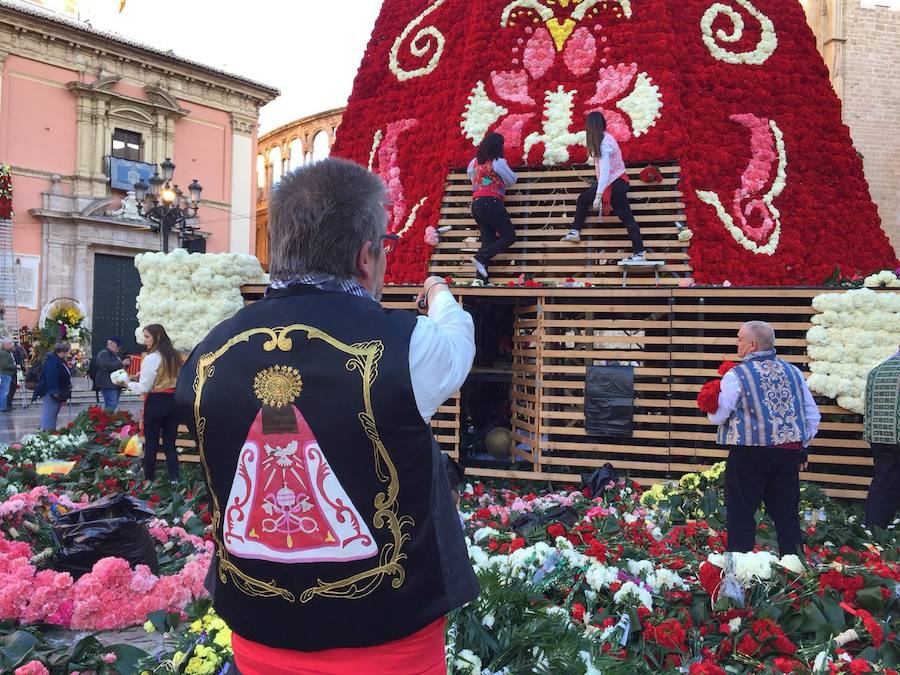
{"points": [[332, 517], [767, 418]]}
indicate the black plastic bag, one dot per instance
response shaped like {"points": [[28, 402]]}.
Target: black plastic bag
{"points": [[537, 519], [609, 401], [600, 479], [115, 525]]}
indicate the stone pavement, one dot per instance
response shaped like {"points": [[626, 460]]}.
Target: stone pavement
{"points": [[25, 420]]}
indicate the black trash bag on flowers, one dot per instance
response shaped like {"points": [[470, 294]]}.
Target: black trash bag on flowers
{"points": [[599, 480], [115, 526], [538, 520]]}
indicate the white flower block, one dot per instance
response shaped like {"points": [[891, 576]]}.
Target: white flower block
{"points": [[190, 293], [853, 333]]}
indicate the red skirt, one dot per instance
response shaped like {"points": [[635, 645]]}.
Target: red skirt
{"points": [[421, 653]]}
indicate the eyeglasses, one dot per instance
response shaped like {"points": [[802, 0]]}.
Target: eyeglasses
{"points": [[387, 240]]}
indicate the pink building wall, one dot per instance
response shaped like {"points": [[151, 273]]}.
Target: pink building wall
{"points": [[38, 138], [203, 151], [38, 135]]}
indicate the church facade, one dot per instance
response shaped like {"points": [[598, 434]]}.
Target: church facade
{"points": [[82, 113]]}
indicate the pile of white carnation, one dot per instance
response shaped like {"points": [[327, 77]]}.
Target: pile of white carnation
{"points": [[189, 293], [882, 278], [119, 377], [854, 332]]}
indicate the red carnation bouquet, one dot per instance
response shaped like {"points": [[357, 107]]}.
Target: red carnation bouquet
{"points": [[651, 174], [708, 398]]}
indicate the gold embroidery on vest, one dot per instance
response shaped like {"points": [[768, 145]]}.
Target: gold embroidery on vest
{"points": [[363, 357]]}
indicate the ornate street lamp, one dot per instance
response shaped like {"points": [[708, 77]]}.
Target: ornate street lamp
{"points": [[165, 206]]}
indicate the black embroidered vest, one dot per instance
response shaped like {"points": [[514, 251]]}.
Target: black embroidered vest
{"points": [[320, 469]]}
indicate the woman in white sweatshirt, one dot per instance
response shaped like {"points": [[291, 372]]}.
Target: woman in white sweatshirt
{"points": [[609, 193], [159, 372]]}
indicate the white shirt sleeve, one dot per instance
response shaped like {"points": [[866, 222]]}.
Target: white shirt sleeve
{"points": [[811, 410], [147, 379], [728, 397], [601, 165], [441, 352], [471, 171]]}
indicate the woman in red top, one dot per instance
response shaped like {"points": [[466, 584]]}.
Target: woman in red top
{"points": [[490, 176]]}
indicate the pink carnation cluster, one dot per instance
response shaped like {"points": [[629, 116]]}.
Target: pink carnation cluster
{"points": [[115, 596], [32, 668], [29, 501], [110, 596]]}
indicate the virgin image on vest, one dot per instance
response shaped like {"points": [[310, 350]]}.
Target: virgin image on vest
{"points": [[326, 515], [769, 410]]}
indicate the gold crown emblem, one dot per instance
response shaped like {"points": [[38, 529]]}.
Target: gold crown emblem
{"points": [[277, 386]]}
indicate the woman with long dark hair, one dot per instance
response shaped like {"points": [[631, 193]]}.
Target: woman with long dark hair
{"points": [[610, 191], [490, 176], [159, 372]]}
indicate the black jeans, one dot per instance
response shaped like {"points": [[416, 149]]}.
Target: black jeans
{"points": [[497, 231], [883, 500], [160, 418], [768, 475], [620, 206]]}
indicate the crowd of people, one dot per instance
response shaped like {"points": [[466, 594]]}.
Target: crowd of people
{"points": [[52, 386]]}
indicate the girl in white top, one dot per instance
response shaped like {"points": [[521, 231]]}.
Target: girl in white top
{"points": [[159, 372], [610, 191]]}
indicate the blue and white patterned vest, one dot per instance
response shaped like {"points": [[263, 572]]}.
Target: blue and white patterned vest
{"points": [[769, 410]]}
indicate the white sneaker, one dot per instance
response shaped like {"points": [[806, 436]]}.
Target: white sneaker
{"points": [[636, 258], [480, 268], [574, 237], [445, 228]]}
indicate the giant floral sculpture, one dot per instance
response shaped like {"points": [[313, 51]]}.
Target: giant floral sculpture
{"points": [[733, 91]]}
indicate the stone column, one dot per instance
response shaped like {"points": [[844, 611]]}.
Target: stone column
{"points": [[102, 146], [3, 55], [84, 172], [80, 274], [242, 202], [833, 44]]}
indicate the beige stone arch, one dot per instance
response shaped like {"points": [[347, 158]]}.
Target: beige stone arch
{"points": [[296, 153], [304, 131]]}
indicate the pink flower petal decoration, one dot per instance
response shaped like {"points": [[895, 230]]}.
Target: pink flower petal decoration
{"points": [[616, 124], [511, 128], [580, 51], [512, 85], [539, 53], [613, 82]]}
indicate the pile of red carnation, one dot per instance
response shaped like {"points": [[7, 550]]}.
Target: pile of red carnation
{"points": [[708, 398]]}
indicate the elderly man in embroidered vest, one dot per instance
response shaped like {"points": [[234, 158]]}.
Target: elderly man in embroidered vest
{"points": [[338, 548], [767, 417], [882, 431]]}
